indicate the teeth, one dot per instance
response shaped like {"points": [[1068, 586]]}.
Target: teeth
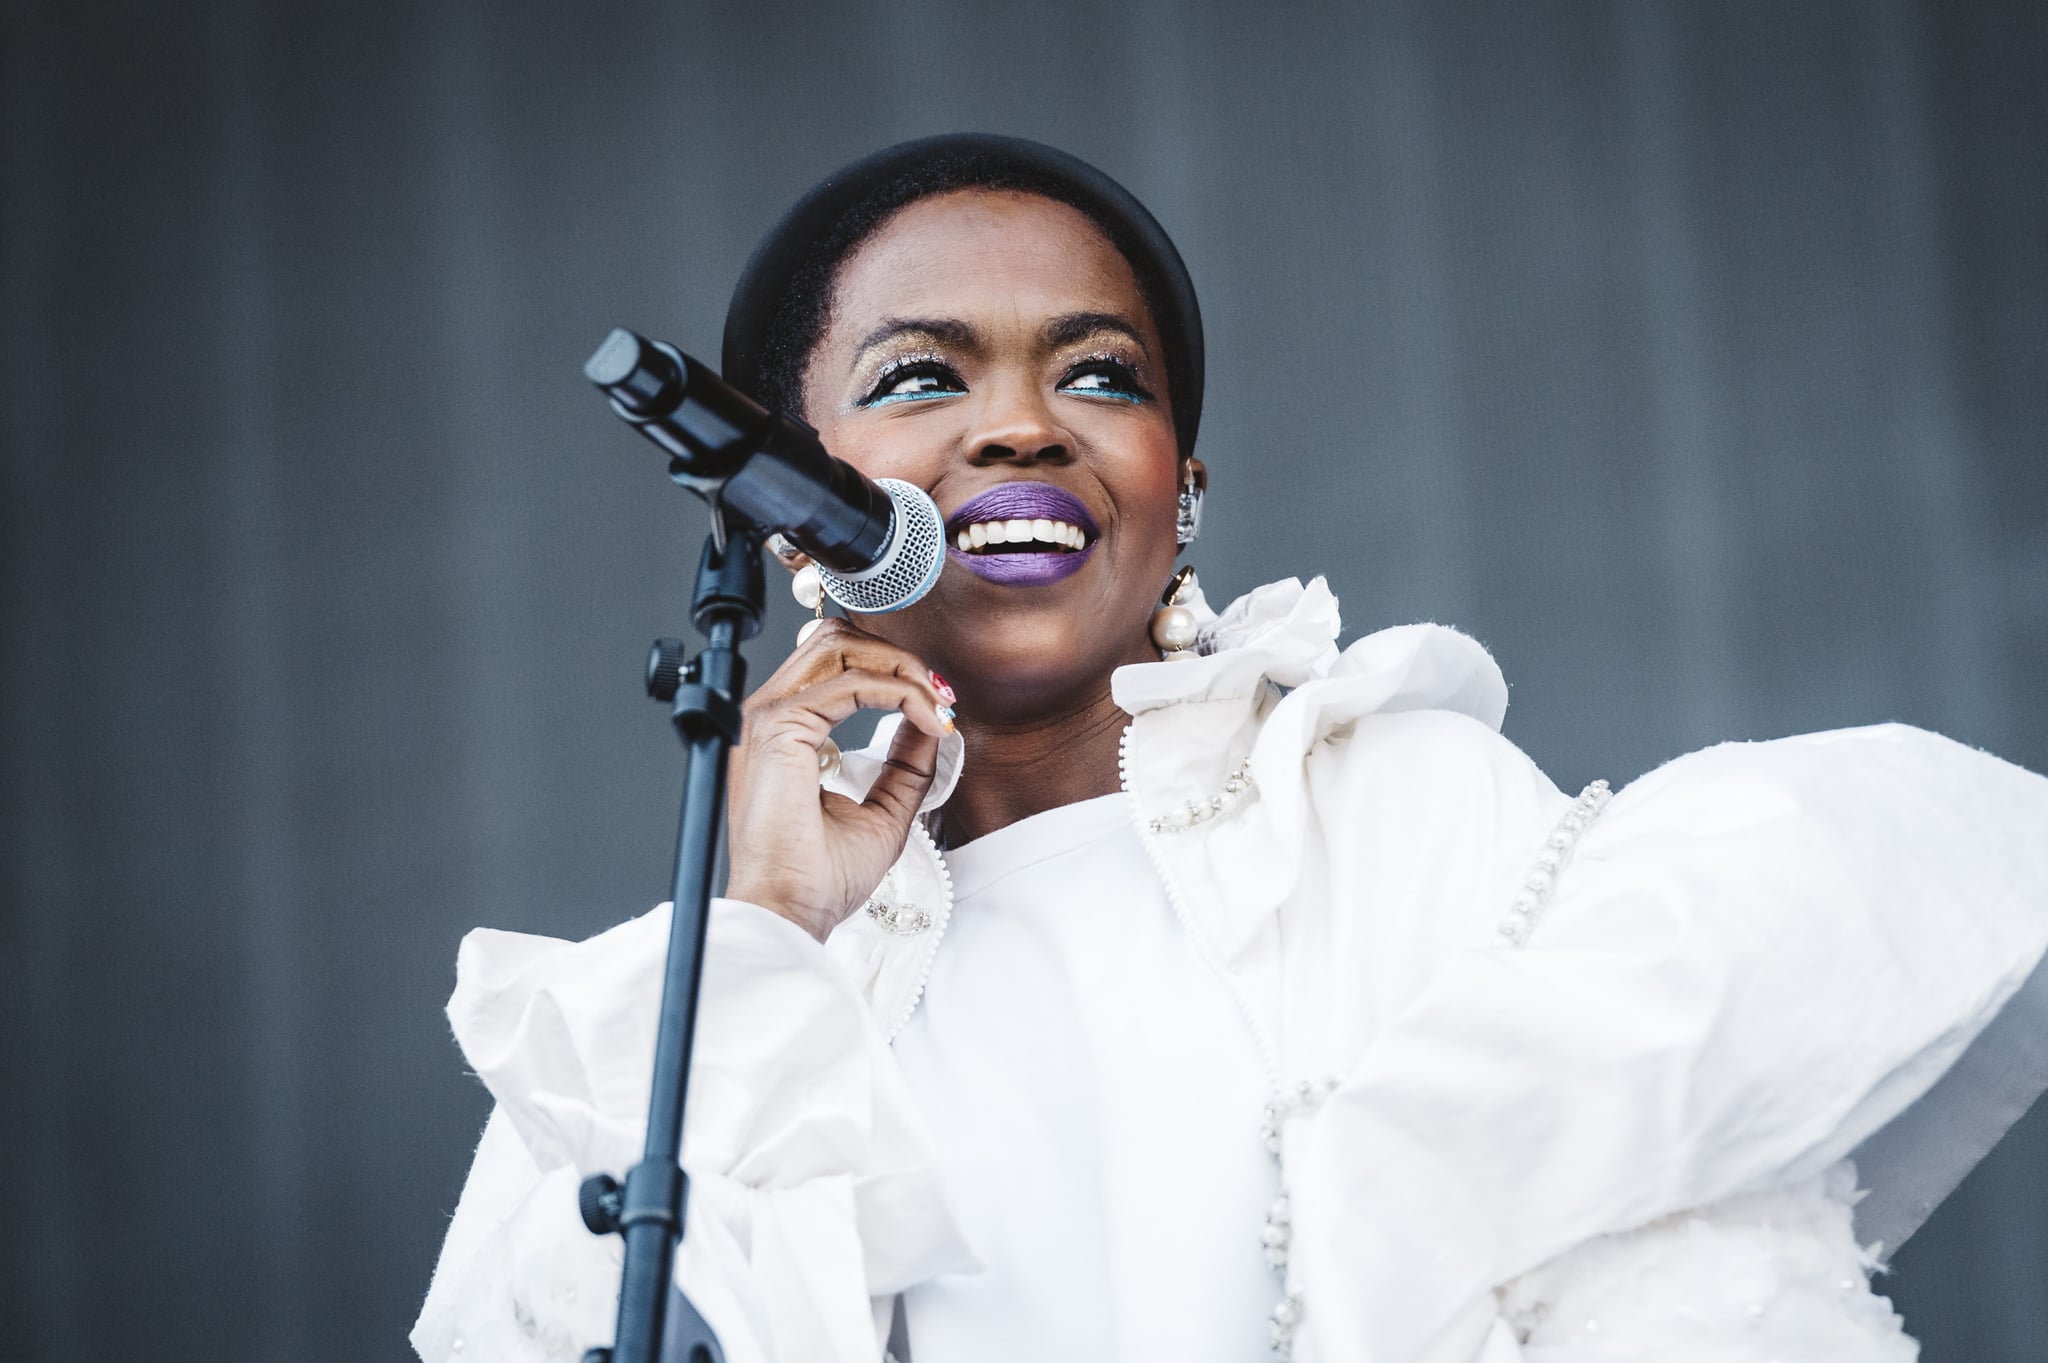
{"points": [[1040, 531]]}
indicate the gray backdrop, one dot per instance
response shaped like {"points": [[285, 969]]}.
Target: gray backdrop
{"points": [[1691, 357]]}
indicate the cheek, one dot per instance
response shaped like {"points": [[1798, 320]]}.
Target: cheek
{"points": [[880, 452], [1155, 482]]}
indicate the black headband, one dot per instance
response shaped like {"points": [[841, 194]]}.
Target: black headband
{"points": [[805, 242]]}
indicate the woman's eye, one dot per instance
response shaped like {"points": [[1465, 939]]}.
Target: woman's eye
{"points": [[914, 382], [1105, 379]]}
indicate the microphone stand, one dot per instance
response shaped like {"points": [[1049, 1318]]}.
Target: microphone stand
{"points": [[657, 1323]]}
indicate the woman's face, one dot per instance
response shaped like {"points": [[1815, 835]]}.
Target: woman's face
{"points": [[993, 348]]}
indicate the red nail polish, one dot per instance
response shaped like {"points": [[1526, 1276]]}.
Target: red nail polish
{"points": [[945, 691]]}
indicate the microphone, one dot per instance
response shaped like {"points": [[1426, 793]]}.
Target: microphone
{"points": [[878, 544]]}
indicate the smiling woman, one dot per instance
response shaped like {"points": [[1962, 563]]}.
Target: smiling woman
{"points": [[995, 347], [1165, 984]]}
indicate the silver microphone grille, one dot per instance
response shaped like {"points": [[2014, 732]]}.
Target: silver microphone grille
{"points": [[908, 566]]}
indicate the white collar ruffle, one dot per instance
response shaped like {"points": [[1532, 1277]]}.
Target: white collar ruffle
{"points": [[1283, 634]]}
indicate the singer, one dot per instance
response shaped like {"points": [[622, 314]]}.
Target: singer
{"points": [[1166, 984]]}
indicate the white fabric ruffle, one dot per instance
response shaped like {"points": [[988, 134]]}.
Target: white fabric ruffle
{"points": [[813, 1189], [1757, 1279], [1758, 956]]}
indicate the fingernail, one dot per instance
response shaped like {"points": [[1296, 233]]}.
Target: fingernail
{"points": [[946, 717], [945, 692]]}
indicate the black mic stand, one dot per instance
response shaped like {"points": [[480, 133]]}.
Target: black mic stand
{"points": [[657, 1324]]}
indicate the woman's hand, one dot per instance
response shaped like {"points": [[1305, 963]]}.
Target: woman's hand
{"points": [[808, 855]]}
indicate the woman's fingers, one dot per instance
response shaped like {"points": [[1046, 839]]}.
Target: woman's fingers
{"points": [[839, 647], [813, 711], [807, 854], [907, 774]]}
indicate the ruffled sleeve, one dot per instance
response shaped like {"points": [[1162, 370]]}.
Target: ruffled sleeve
{"points": [[1758, 1278], [813, 1191], [1757, 957]]}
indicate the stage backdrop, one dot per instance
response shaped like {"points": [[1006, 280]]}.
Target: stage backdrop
{"points": [[1692, 357]]}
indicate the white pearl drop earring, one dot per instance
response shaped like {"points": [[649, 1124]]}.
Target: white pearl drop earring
{"points": [[1173, 625], [807, 587], [809, 590]]}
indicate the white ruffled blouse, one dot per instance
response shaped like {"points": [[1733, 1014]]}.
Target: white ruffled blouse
{"points": [[1547, 1079]]}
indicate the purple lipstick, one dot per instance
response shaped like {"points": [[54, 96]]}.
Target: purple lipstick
{"points": [[1053, 534]]}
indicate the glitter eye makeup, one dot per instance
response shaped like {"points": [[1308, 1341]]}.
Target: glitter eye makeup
{"points": [[1105, 376], [913, 378]]}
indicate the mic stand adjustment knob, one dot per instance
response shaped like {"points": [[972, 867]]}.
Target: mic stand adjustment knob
{"points": [[601, 1202], [667, 670]]}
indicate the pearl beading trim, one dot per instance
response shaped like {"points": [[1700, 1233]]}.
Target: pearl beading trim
{"points": [[941, 913], [900, 920], [1305, 1098], [1534, 896], [1285, 1317], [1278, 1233], [1236, 787], [1288, 1312], [896, 915]]}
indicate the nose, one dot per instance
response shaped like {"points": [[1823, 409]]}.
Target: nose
{"points": [[1017, 427]]}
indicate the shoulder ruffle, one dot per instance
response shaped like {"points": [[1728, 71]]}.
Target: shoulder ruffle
{"points": [[1766, 1276], [1285, 633], [790, 1082], [1757, 957], [1274, 690], [1282, 632]]}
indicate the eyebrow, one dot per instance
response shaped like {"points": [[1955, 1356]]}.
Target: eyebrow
{"points": [[1076, 326], [1062, 330], [943, 330]]}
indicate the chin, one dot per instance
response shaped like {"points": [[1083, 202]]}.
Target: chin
{"points": [[1020, 664]]}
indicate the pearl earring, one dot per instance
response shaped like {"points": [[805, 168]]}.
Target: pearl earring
{"points": [[809, 590], [1173, 625]]}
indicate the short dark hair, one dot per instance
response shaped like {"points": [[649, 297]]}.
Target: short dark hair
{"points": [[784, 297]]}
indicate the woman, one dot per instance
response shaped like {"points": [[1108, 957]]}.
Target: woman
{"points": [[1163, 984]]}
